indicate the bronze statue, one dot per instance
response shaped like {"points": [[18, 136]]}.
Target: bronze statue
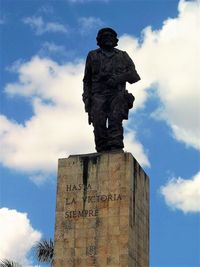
{"points": [[106, 99]]}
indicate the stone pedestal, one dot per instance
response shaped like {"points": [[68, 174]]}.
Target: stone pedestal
{"points": [[102, 212]]}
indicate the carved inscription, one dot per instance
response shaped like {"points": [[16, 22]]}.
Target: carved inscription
{"points": [[69, 214], [73, 187], [96, 198], [81, 213]]}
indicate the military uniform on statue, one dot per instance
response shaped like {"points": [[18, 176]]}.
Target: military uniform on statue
{"points": [[105, 96]]}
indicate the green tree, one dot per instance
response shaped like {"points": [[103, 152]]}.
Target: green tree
{"points": [[8, 263], [44, 251]]}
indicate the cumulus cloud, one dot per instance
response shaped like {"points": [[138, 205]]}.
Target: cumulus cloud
{"points": [[167, 59], [131, 142], [89, 23], [46, 9], [58, 126], [183, 194], [50, 48], [40, 27], [17, 236]]}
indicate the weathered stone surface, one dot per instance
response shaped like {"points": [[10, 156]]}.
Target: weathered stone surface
{"points": [[102, 212]]}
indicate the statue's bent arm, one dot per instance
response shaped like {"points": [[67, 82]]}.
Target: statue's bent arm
{"points": [[130, 75]]}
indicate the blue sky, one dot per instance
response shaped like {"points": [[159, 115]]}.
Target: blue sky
{"points": [[43, 46]]}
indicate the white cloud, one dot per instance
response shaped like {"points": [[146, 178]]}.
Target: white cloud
{"points": [[183, 194], [41, 27], [89, 23], [136, 147], [17, 236], [58, 126], [52, 48], [39, 178], [167, 59], [46, 9]]}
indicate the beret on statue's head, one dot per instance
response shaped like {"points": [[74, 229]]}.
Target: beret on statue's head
{"points": [[102, 31]]}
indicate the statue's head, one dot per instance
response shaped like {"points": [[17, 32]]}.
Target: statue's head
{"points": [[107, 38]]}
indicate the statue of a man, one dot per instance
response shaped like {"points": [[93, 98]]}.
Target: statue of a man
{"points": [[106, 99]]}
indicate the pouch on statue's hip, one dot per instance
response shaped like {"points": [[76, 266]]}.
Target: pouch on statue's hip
{"points": [[129, 98], [128, 104]]}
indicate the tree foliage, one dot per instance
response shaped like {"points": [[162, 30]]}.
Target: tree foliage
{"points": [[44, 251], [8, 263]]}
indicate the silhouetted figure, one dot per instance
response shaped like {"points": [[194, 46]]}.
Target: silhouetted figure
{"points": [[106, 99]]}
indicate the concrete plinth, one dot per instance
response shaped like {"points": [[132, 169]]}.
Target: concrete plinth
{"points": [[102, 212]]}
